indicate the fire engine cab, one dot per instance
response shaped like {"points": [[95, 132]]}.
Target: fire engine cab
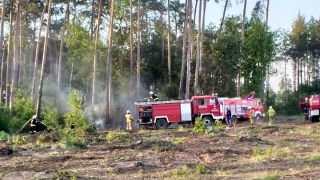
{"points": [[161, 114]]}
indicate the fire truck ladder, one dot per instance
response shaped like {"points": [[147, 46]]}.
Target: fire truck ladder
{"points": [[160, 102]]}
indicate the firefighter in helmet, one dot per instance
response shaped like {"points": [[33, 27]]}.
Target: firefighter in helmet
{"points": [[129, 119], [306, 112], [271, 114], [251, 112], [229, 119], [153, 96], [33, 124]]}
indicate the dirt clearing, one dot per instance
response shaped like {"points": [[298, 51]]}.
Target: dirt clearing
{"points": [[283, 151]]}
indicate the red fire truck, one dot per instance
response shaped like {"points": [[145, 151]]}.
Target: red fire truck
{"points": [[161, 114], [239, 107], [314, 107]]}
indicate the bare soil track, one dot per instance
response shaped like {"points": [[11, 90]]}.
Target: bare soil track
{"points": [[288, 150]]}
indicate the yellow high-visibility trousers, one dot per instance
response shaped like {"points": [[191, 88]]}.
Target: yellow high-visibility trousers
{"points": [[129, 125]]}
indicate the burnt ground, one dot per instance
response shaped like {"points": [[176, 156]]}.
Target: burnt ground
{"points": [[287, 150]]}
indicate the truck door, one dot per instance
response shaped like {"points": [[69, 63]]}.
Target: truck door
{"points": [[200, 106]]}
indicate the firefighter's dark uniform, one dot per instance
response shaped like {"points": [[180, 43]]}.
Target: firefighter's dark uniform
{"points": [[306, 113], [153, 96], [33, 124]]}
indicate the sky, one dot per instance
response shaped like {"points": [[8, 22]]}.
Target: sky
{"points": [[282, 13]]}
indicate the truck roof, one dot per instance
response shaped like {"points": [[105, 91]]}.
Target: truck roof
{"points": [[161, 102]]}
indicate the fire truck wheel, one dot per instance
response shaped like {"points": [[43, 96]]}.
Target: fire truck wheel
{"points": [[207, 121], [161, 124], [258, 117]]}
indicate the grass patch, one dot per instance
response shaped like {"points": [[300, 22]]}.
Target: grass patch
{"points": [[178, 140], [270, 176], [270, 153], [157, 145], [118, 137], [313, 158]]}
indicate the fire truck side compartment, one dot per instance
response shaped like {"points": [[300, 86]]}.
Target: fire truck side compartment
{"points": [[170, 111], [185, 112]]}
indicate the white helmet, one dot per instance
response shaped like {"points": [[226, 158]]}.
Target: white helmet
{"points": [[249, 107], [128, 112], [34, 117], [270, 107], [151, 92]]}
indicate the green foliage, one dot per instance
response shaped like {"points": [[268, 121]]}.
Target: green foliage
{"points": [[92, 129], [200, 169], [171, 91], [118, 136], [4, 135], [76, 117], [40, 140], [199, 126], [178, 140], [75, 143], [21, 113], [18, 140], [4, 118], [50, 118], [218, 127]]}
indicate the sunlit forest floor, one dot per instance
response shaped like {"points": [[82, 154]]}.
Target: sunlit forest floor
{"points": [[290, 149]]}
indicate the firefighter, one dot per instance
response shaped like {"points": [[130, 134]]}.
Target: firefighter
{"points": [[153, 96], [271, 114], [251, 112], [306, 112], [129, 119], [33, 124], [229, 120]]}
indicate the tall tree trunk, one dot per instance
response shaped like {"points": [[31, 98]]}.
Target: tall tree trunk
{"points": [[162, 36], [184, 49], [21, 54], [196, 74], [109, 65], [202, 33], [16, 56], [241, 47], [1, 75], [44, 58], [61, 49], [2, 44], [138, 50], [265, 56], [189, 50], [71, 76], [169, 43], [35, 68], [92, 20], [95, 57], [9, 58], [222, 19], [131, 52]]}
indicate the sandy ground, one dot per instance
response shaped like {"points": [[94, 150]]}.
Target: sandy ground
{"points": [[287, 150]]}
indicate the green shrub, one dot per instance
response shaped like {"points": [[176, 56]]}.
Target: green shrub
{"points": [[199, 126], [218, 127], [118, 136], [50, 118], [4, 135], [18, 140], [74, 143], [4, 118], [76, 117]]}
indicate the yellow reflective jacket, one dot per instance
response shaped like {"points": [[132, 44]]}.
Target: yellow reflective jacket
{"points": [[271, 112], [129, 117], [251, 113]]}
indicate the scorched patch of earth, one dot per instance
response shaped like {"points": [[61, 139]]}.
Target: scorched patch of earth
{"points": [[282, 151]]}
